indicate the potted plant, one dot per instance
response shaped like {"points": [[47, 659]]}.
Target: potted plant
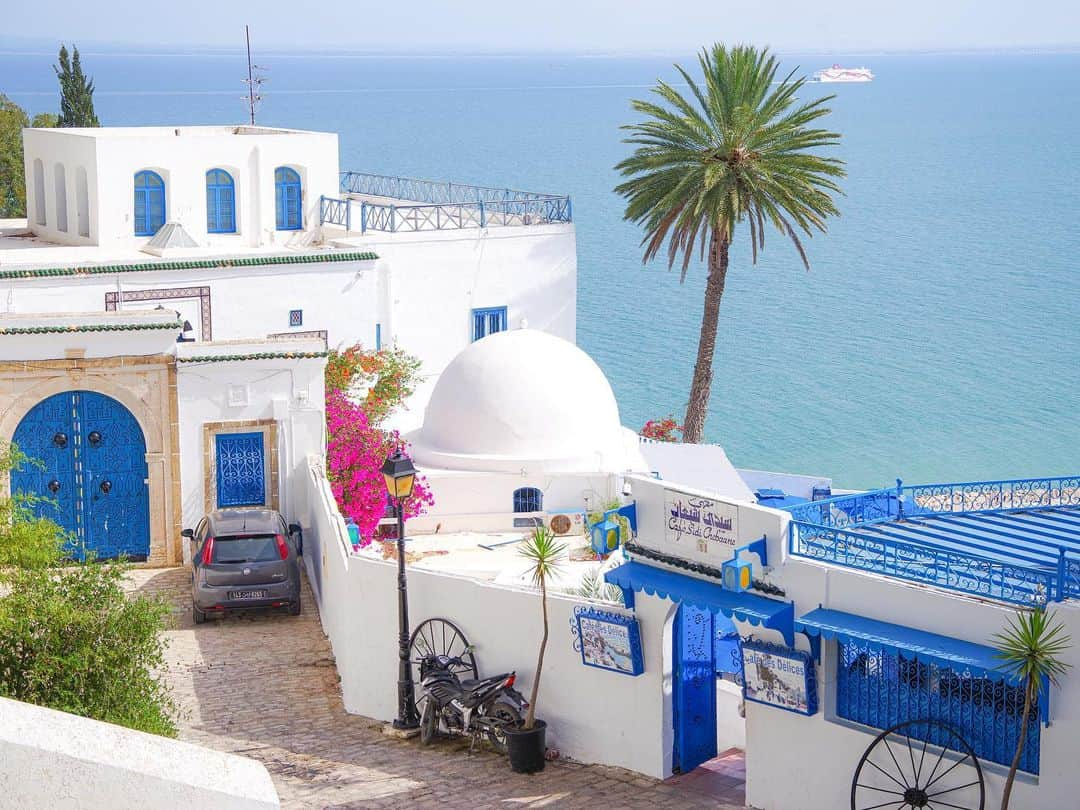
{"points": [[527, 745], [1030, 650]]}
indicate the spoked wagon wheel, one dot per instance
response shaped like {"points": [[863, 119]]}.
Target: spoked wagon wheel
{"points": [[439, 637], [918, 764]]}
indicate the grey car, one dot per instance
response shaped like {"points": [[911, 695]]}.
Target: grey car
{"points": [[243, 558]]}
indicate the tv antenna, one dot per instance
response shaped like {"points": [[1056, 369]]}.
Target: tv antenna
{"points": [[254, 79]]}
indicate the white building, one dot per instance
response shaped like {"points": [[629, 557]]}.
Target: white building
{"points": [[248, 245]]}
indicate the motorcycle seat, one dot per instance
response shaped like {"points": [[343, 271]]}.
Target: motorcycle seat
{"points": [[468, 684]]}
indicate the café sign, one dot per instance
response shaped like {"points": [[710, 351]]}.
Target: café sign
{"points": [[702, 524]]}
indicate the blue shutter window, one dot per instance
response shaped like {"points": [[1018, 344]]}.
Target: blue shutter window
{"points": [[241, 464], [488, 321], [528, 499], [288, 198], [220, 202], [149, 203]]}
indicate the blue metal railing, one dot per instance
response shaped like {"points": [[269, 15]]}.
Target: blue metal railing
{"points": [[828, 530], [431, 206]]}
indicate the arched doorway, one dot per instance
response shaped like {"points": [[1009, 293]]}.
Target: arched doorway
{"points": [[92, 470]]}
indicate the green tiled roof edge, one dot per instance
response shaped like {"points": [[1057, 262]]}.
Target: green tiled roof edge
{"points": [[221, 358], [88, 327], [193, 264]]}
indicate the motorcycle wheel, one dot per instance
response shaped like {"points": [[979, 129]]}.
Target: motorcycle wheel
{"points": [[506, 715], [428, 723]]}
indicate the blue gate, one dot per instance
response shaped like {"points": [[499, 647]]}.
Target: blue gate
{"points": [[241, 480], [694, 692], [92, 473]]}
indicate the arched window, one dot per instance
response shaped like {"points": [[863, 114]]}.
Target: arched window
{"points": [[39, 191], [220, 202], [528, 499], [60, 189], [288, 199], [149, 203]]}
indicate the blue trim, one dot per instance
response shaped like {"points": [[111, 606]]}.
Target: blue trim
{"points": [[149, 203], [633, 633], [378, 337], [802, 657], [744, 607], [487, 321], [220, 202], [941, 650], [288, 199]]}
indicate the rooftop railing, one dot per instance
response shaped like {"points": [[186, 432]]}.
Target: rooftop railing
{"points": [[829, 531], [430, 206]]}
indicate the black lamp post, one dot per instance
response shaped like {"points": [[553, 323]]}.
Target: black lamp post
{"points": [[399, 473]]}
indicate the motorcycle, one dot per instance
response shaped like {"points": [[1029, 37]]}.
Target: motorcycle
{"points": [[476, 708]]}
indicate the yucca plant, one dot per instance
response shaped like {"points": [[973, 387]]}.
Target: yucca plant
{"points": [[1030, 649], [738, 148], [545, 554]]}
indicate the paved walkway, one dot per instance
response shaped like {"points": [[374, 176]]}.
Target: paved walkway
{"points": [[265, 686]]}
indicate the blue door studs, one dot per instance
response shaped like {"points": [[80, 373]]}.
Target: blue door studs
{"points": [[694, 694], [241, 464], [92, 474]]}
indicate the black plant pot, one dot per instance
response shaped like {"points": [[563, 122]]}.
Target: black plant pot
{"points": [[526, 747]]}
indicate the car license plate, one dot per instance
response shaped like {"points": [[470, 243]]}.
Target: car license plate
{"points": [[247, 594]]}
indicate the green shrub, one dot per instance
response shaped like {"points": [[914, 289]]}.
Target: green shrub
{"points": [[70, 637]]}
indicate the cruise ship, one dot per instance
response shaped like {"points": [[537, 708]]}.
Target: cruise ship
{"points": [[842, 74]]}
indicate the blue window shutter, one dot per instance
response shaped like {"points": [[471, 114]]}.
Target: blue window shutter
{"points": [[240, 466], [149, 203], [488, 321], [288, 199], [528, 499], [220, 202]]}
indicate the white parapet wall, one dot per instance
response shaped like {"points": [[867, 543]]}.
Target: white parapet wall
{"points": [[593, 715], [51, 759]]}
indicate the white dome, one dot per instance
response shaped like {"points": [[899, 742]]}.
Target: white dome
{"points": [[524, 398]]}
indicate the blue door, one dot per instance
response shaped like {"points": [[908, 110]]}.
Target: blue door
{"points": [[694, 693], [241, 480], [91, 477]]}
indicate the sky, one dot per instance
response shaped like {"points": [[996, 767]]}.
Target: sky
{"points": [[621, 26]]}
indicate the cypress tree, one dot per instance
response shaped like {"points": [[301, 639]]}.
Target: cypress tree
{"points": [[76, 92]]}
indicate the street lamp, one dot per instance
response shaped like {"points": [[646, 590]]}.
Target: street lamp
{"points": [[399, 474]]}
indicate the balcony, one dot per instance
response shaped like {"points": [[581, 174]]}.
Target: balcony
{"points": [[1015, 541], [374, 202]]}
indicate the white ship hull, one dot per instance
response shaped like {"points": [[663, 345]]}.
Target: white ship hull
{"points": [[839, 74]]}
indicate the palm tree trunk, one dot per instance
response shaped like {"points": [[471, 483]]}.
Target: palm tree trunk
{"points": [[1029, 687], [530, 716], [701, 385]]}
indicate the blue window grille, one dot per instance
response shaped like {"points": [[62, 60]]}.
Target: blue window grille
{"points": [[220, 202], [241, 477], [287, 194], [881, 686], [528, 499], [149, 203], [296, 317], [488, 321]]}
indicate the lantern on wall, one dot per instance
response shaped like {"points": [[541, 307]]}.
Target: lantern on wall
{"points": [[737, 575], [606, 535]]}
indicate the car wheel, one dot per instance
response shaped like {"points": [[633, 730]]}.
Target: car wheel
{"points": [[197, 615], [294, 608]]}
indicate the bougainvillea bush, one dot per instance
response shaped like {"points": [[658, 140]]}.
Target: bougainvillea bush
{"points": [[662, 430], [362, 389]]}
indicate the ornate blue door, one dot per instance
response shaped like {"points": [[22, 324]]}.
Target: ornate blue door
{"points": [[92, 474], [694, 692], [241, 480]]}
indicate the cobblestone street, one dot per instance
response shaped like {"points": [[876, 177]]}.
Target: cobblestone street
{"points": [[265, 686]]}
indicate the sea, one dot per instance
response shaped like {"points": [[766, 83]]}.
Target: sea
{"points": [[936, 336]]}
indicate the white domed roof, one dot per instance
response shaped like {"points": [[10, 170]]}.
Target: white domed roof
{"points": [[524, 398]]}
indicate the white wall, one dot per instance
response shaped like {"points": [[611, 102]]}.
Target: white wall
{"points": [[593, 715], [182, 156], [702, 466], [50, 759], [475, 501], [287, 391]]}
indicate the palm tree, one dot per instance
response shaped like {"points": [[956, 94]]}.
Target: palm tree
{"points": [[544, 554], [1030, 649], [738, 148]]}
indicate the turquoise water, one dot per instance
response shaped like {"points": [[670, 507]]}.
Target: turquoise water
{"points": [[937, 335]]}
